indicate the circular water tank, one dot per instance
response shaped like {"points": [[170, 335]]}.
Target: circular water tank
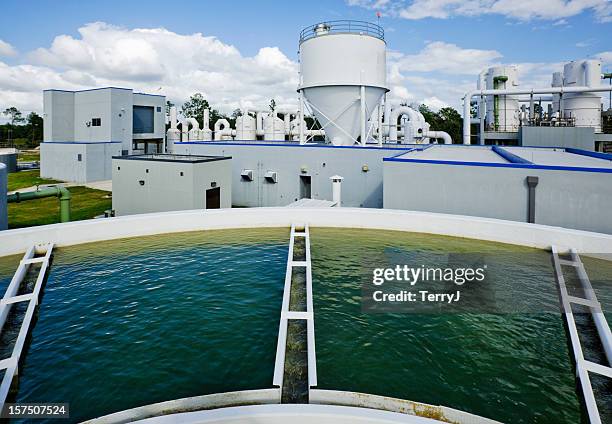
{"points": [[336, 59], [274, 128], [9, 158], [3, 188], [503, 112], [585, 108], [246, 128]]}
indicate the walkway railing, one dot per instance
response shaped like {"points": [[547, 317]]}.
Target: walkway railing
{"points": [[583, 366], [10, 298], [290, 313], [342, 27]]}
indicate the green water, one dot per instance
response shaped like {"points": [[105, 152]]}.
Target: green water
{"points": [[512, 367], [131, 322]]}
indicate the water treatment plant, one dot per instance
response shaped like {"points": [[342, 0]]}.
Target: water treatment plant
{"points": [[342, 261]]}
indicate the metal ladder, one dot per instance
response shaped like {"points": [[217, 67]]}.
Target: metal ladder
{"points": [[10, 298], [287, 314], [583, 366]]}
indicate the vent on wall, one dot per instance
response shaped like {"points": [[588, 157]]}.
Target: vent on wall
{"points": [[246, 175], [272, 177]]}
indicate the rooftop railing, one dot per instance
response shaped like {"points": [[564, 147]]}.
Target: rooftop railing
{"points": [[342, 27]]}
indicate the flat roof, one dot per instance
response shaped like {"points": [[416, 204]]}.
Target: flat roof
{"points": [[559, 158], [159, 157], [456, 153], [556, 156]]}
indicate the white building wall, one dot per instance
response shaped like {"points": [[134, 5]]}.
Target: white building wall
{"points": [[58, 115]]}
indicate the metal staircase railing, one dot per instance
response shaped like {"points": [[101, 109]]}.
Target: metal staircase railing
{"points": [[583, 366]]}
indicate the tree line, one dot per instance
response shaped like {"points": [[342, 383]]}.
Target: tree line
{"points": [[21, 131]]}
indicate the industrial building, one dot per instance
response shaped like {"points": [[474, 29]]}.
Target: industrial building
{"points": [[84, 129], [568, 188], [162, 182]]}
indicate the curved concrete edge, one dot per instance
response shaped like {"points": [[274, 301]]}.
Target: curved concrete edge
{"points": [[364, 400], [532, 235], [518, 233], [291, 413], [196, 403]]}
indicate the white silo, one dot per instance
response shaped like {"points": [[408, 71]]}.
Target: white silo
{"points": [[343, 76], [274, 128], [585, 108], [246, 128], [503, 110]]}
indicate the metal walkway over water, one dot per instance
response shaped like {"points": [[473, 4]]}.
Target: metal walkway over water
{"points": [[583, 366], [37, 254]]}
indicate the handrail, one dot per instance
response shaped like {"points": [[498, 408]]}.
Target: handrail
{"points": [[342, 27], [10, 297], [583, 366]]}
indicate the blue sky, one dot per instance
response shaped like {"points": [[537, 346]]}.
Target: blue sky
{"points": [[537, 35]]}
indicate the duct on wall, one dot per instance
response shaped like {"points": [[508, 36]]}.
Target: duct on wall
{"points": [[173, 134], [415, 117], [194, 133]]}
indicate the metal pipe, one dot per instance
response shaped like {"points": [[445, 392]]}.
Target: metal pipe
{"points": [[363, 115], [60, 192], [301, 116], [380, 120], [439, 135], [549, 90], [532, 183]]}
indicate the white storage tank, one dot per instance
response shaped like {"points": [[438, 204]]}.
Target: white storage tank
{"points": [[337, 59], [274, 128], [585, 108], [246, 127], [503, 110], [3, 205]]}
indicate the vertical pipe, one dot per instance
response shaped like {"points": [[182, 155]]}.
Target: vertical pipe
{"points": [[206, 121], [482, 114], [301, 116], [532, 183], [173, 117], [363, 116], [531, 106], [380, 120]]}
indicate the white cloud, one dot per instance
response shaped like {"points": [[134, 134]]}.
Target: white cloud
{"points": [[6, 49], [516, 9], [147, 59]]}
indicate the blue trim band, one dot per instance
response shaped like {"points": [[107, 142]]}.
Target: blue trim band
{"points": [[284, 144], [598, 155], [502, 165], [510, 157], [83, 142]]}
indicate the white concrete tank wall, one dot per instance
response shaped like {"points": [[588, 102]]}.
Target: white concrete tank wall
{"points": [[274, 128], [3, 205], [246, 128], [508, 116], [336, 59], [585, 108]]}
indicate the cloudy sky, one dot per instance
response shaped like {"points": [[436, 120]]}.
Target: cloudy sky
{"points": [[245, 53]]}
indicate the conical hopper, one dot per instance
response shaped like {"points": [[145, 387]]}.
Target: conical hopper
{"points": [[341, 105]]}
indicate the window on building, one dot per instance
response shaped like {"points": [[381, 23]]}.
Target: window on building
{"points": [[79, 157], [96, 122], [159, 108], [143, 119]]}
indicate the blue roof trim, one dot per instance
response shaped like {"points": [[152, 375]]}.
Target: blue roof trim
{"points": [[501, 165], [88, 89], [510, 157], [598, 155], [285, 144], [147, 94], [82, 142]]}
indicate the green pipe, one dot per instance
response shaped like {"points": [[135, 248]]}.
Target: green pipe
{"points": [[60, 192], [496, 81]]}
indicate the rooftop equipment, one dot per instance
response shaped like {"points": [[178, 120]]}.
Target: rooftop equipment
{"points": [[343, 76]]}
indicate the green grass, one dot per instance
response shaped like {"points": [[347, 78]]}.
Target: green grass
{"points": [[86, 203], [23, 179], [28, 156]]}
